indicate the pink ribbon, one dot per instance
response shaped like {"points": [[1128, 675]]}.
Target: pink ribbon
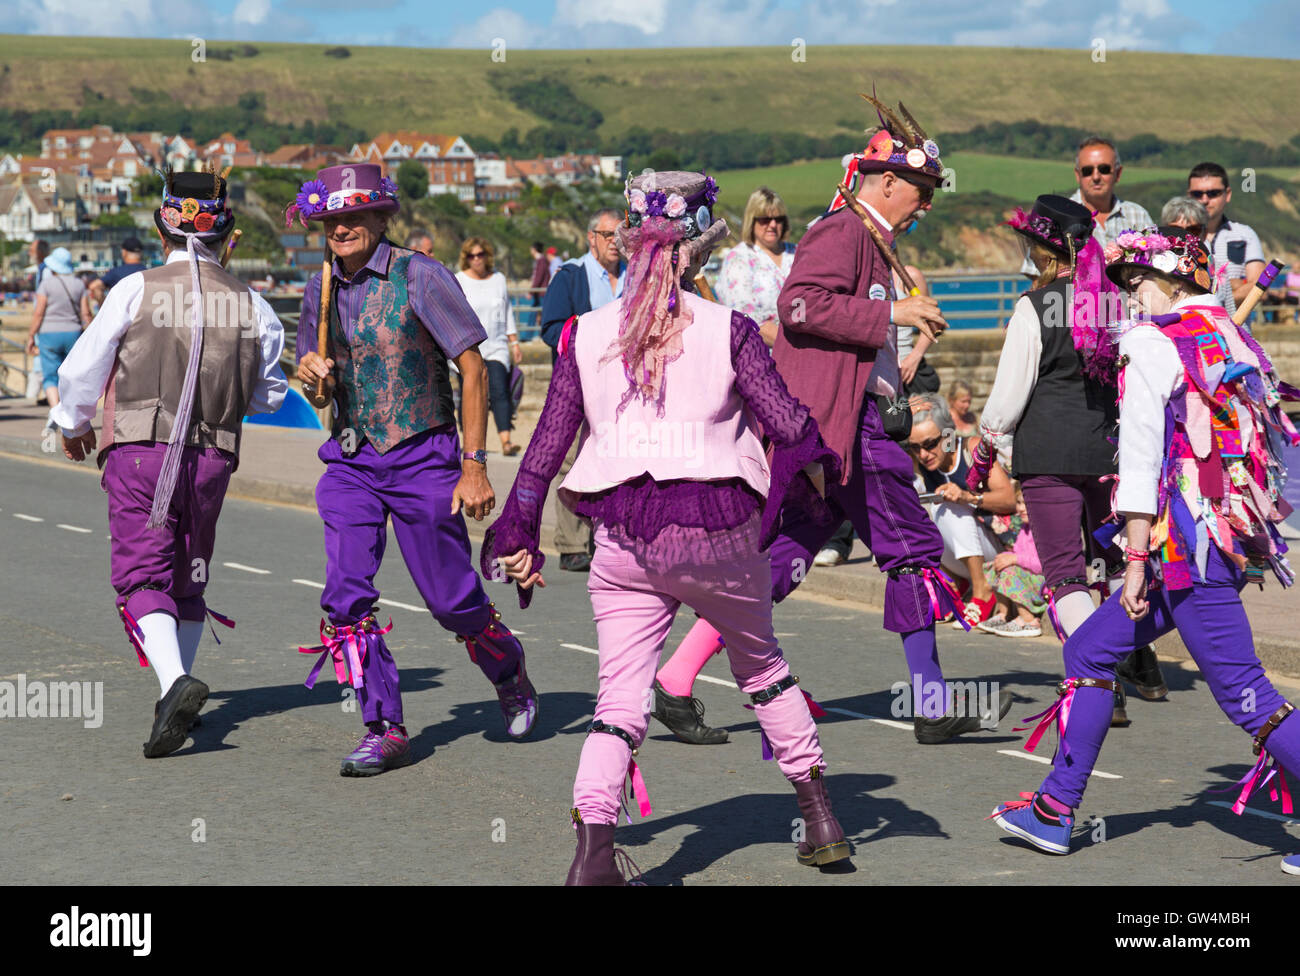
{"points": [[348, 646], [638, 790], [134, 634], [1252, 781], [1052, 615], [1058, 712], [219, 618], [930, 576]]}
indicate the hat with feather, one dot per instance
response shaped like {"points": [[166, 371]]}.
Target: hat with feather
{"points": [[899, 145]]}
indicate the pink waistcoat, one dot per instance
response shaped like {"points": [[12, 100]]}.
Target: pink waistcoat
{"points": [[707, 433]]}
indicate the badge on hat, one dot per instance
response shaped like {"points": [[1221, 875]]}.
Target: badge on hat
{"points": [[916, 158]]}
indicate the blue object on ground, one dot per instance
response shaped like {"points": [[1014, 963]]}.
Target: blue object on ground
{"points": [[294, 412]]}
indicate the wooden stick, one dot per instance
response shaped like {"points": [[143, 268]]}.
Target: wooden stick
{"points": [[230, 247], [876, 236], [318, 395], [704, 289], [1256, 292]]}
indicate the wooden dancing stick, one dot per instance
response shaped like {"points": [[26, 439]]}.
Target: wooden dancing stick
{"points": [[322, 393], [885, 249], [1256, 292], [704, 289], [230, 247]]}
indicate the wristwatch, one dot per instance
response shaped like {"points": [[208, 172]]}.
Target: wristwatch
{"points": [[479, 456]]}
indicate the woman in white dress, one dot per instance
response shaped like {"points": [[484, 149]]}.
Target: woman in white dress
{"points": [[754, 270], [485, 290]]}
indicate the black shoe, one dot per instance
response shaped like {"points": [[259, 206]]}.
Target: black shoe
{"points": [[682, 714], [173, 716], [1142, 670], [932, 731], [1119, 717], [575, 562], [194, 723]]}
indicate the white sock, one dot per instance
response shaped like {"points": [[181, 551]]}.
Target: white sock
{"points": [[190, 634], [1073, 609], [161, 647]]}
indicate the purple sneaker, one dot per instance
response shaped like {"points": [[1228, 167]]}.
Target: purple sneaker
{"points": [[385, 746], [518, 703], [1032, 820]]}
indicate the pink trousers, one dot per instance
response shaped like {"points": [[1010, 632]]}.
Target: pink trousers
{"points": [[636, 589]]}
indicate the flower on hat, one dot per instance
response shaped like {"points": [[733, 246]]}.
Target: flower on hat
{"points": [[1129, 240], [636, 200], [1113, 252], [676, 206], [311, 197], [388, 187], [710, 191]]}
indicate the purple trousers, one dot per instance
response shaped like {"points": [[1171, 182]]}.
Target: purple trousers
{"points": [[1062, 509], [412, 483], [1212, 623], [163, 569], [885, 509]]}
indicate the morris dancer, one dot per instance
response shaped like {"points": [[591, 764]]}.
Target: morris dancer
{"points": [[675, 523], [837, 350], [1200, 474], [181, 353], [1055, 392], [396, 319]]}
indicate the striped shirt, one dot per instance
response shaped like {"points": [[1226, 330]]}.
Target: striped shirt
{"points": [[433, 291]]}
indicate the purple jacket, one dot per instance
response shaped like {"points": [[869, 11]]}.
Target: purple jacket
{"points": [[830, 329]]}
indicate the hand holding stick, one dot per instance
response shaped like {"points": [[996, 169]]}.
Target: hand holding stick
{"points": [[322, 393]]}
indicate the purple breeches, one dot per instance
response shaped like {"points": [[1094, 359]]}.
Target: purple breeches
{"points": [[413, 484], [1212, 623], [883, 506], [163, 569], [1064, 510], [636, 589]]}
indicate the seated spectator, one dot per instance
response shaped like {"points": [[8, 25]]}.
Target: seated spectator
{"points": [[1016, 575], [942, 461], [959, 405]]}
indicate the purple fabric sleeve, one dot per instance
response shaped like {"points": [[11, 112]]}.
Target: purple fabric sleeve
{"points": [[438, 300], [788, 425], [644, 507], [520, 522], [306, 340]]}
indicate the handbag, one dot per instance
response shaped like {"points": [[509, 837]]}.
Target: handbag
{"points": [[925, 380], [516, 388], [895, 416]]}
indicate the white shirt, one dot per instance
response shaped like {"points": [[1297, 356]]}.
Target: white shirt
{"points": [[1153, 373], [490, 300], [84, 375], [1022, 351]]}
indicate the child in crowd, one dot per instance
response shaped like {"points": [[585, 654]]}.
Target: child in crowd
{"points": [[1016, 576]]}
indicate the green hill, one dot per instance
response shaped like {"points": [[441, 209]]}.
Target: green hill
{"points": [[948, 89]]}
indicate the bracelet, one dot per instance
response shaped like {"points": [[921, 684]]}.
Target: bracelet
{"points": [[1135, 555]]}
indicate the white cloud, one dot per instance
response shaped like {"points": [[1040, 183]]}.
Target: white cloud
{"points": [[647, 16], [252, 11]]}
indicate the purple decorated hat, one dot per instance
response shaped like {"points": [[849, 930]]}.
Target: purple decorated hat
{"points": [[900, 145], [1171, 251], [343, 189], [194, 205], [1055, 222]]}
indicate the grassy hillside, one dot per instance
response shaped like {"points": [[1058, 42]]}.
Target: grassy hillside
{"points": [[948, 89]]}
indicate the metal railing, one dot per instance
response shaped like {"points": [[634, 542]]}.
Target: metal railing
{"points": [[6, 389]]}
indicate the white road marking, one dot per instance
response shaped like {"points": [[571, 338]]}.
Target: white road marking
{"points": [[579, 647], [74, 528], [247, 569], [27, 518], [403, 606], [1047, 762], [308, 583], [880, 721], [1256, 813]]}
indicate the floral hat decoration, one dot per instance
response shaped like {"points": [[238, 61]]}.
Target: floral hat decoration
{"points": [[343, 189], [1170, 251], [194, 204]]}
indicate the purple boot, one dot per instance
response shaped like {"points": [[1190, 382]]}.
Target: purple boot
{"points": [[500, 656], [824, 841], [594, 863]]}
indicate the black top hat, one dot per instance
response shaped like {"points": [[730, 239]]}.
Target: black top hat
{"points": [[194, 205], [1055, 222]]}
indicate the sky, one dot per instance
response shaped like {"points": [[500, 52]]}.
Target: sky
{"points": [[1257, 28]]}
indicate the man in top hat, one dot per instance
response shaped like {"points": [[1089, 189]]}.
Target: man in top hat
{"points": [[181, 353], [396, 319], [837, 351]]}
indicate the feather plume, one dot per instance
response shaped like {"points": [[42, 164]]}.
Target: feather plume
{"points": [[914, 127], [887, 118]]}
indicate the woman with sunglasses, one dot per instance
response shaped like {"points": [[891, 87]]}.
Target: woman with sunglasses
{"points": [[1054, 400], [485, 290], [754, 271], [1201, 440]]}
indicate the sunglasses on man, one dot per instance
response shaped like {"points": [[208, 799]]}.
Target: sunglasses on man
{"points": [[924, 190], [1104, 169], [1205, 194]]}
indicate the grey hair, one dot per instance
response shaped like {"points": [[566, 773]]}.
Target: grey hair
{"points": [[415, 237], [1185, 209], [603, 212], [1097, 141], [931, 406]]}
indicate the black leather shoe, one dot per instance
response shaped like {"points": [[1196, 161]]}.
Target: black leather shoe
{"points": [[932, 731], [1119, 717], [194, 723], [575, 562], [682, 714], [175, 712], [1142, 670]]}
